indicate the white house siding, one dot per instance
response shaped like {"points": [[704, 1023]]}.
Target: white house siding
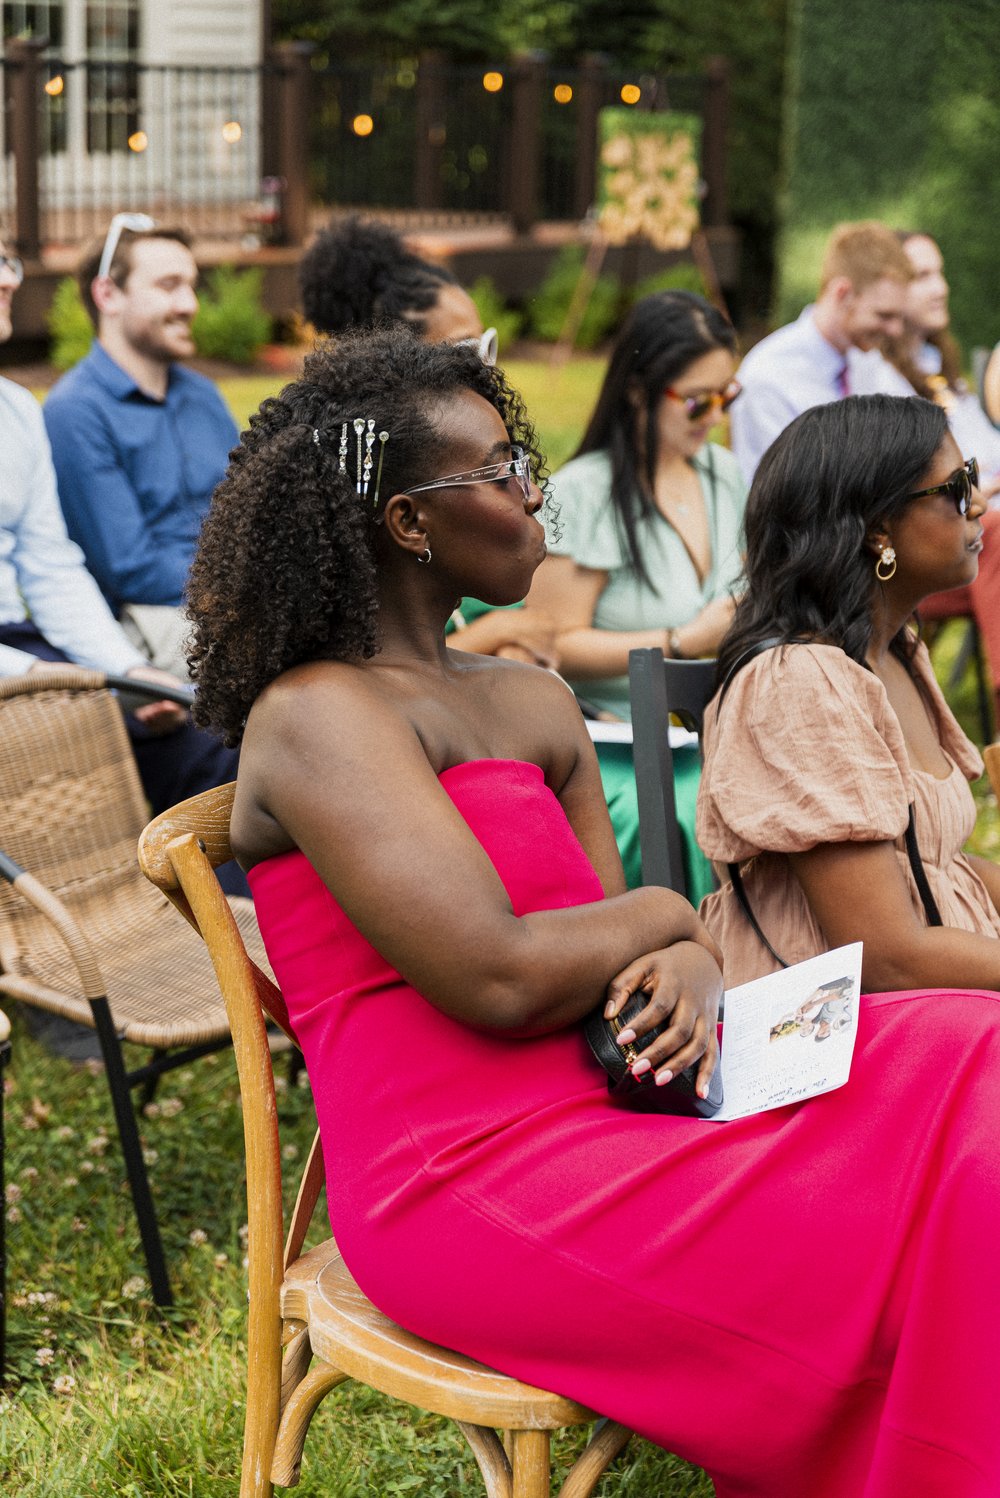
{"points": [[188, 171]]}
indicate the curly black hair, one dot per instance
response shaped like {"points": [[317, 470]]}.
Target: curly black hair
{"points": [[285, 570], [359, 272]]}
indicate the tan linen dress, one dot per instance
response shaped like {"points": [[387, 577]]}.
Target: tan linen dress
{"points": [[806, 750]]}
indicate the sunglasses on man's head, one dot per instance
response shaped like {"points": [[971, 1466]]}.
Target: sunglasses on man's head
{"points": [[697, 406], [958, 486], [136, 223]]}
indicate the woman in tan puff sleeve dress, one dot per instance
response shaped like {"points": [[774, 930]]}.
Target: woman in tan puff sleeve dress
{"points": [[820, 745]]}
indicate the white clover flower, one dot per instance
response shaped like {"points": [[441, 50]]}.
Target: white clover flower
{"points": [[13, 1192], [290, 1152], [79, 1226], [220, 1261], [65, 1132], [29, 1173], [64, 1384], [44, 1356], [14, 1214], [171, 1106], [150, 1157], [151, 1110], [98, 1144], [133, 1287], [70, 1182], [197, 1237]]}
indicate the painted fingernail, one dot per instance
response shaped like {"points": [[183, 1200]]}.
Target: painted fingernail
{"points": [[663, 1077], [641, 1066], [625, 1037]]}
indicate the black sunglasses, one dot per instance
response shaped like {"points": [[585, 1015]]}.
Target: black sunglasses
{"points": [[958, 486]]}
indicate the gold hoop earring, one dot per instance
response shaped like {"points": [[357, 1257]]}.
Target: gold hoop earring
{"points": [[887, 560]]}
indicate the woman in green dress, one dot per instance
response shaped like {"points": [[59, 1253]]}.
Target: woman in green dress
{"points": [[651, 515]]}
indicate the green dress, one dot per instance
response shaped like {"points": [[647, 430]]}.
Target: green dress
{"points": [[590, 534]]}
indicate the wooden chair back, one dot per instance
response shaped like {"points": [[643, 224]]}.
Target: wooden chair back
{"points": [[179, 852], [659, 688]]}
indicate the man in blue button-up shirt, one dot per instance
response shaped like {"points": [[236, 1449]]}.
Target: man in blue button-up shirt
{"points": [[139, 442]]}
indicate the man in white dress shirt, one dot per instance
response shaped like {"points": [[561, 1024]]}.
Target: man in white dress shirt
{"points": [[51, 609], [810, 361]]}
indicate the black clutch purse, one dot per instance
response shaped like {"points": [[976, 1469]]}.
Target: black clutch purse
{"points": [[641, 1093]]}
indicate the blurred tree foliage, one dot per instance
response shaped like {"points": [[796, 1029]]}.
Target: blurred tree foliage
{"points": [[894, 113], [655, 36]]}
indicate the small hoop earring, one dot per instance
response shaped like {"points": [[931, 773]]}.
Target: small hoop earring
{"points": [[887, 560], [425, 556]]}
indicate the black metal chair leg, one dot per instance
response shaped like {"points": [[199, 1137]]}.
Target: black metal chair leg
{"points": [[128, 1133]]}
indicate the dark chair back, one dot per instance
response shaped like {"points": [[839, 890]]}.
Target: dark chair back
{"points": [[659, 687]]}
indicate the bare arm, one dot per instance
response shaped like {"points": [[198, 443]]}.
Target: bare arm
{"points": [[989, 873], [347, 779], [857, 892], [525, 634], [569, 593]]}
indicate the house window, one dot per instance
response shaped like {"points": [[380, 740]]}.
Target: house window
{"points": [[41, 18], [112, 31]]}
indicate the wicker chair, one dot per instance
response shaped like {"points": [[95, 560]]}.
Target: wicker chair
{"points": [[306, 1308], [81, 931]]}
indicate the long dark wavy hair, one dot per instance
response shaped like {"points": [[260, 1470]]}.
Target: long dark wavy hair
{"points": [[831, 478], [661, 336], [898, 350], [285, 570], [359, 272]]}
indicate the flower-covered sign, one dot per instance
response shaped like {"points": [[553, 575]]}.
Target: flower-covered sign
{"points": [[648, 180]]}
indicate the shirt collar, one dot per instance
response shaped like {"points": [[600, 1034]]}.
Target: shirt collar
{"points": [[821, 350], [118, 382]]}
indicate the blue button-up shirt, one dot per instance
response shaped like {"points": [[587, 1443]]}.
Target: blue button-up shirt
{"points": [[136, 474], [782, 376]]}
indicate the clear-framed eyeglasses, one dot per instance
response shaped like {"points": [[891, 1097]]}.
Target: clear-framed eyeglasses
{"points": [[487, 345], [13, 266], [137, 223], [517, 466]]}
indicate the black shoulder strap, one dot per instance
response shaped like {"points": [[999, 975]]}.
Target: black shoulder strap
{"points": [[919, 873], [739, 891]]}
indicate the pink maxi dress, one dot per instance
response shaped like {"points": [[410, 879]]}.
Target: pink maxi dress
{"points": [[804, 1303]]}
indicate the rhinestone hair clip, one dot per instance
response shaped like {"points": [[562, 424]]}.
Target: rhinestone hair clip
{"points": [[364, 450]]}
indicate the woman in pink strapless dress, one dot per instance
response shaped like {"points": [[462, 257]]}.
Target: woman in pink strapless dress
{"points": [[783, 1300]]}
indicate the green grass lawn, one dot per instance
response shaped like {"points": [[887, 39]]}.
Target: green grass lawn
{"points": [[105, 1397]]}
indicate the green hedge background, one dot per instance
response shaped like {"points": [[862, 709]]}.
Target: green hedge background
{"points": [[893, 112]]}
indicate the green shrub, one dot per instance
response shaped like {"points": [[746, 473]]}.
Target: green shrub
{"points": [[70, 329], [231, 322], [548, 308], [494, 311], [682, 277]]}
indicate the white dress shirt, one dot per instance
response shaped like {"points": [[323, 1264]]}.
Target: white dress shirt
{"points": [[790, 370], [42, 572]]}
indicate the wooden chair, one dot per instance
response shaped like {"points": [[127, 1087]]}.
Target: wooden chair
{"points": [[4, 1058], [305, 1308], [991, 759], [81, 931], [659, 688]]}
